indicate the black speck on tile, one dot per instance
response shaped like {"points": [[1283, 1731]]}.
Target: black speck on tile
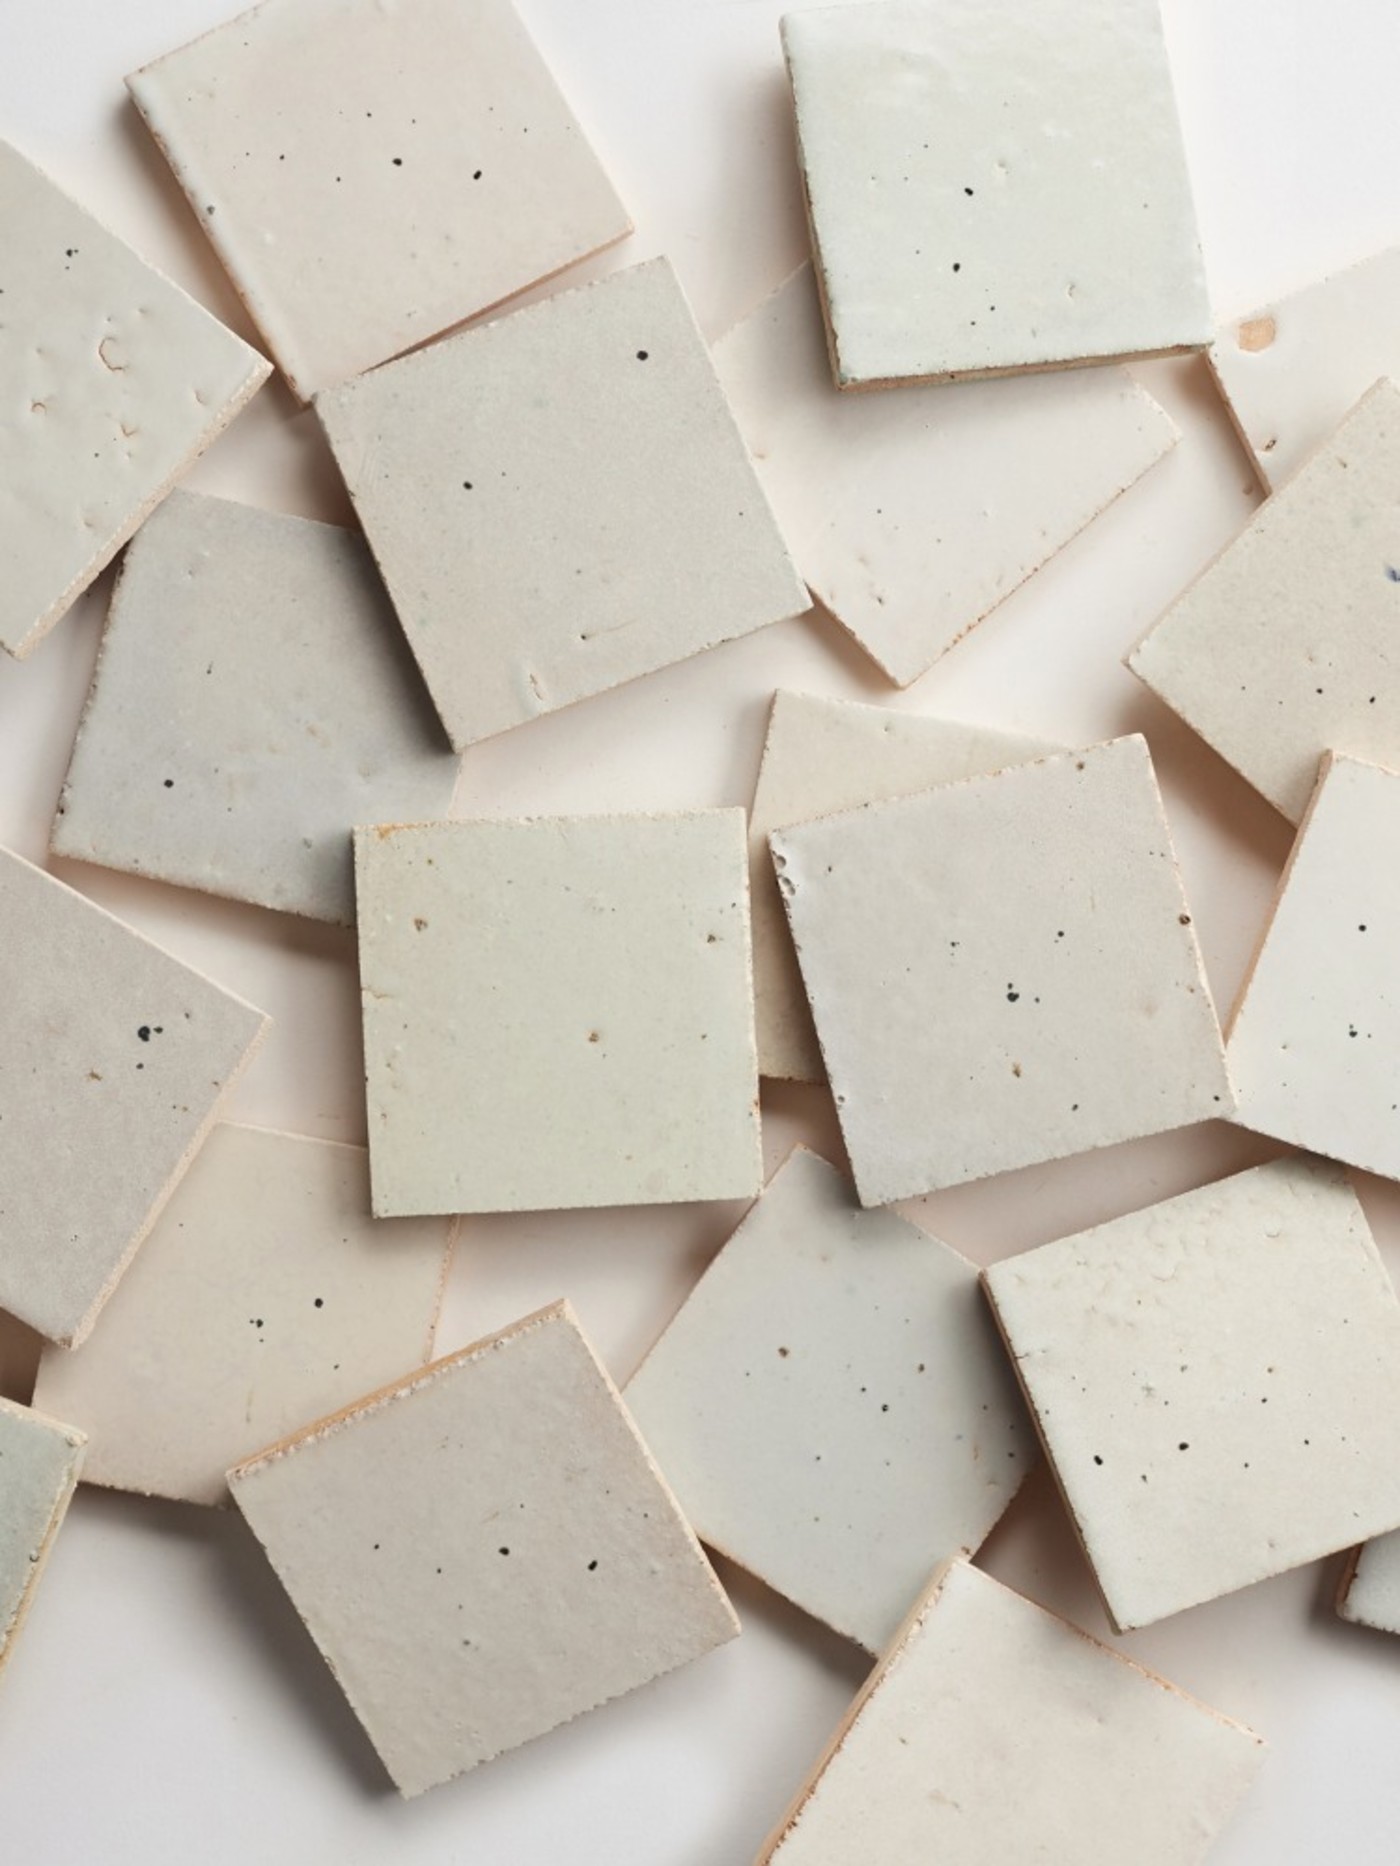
{"points": [[1392, 574], [1012, 994], [642, 355]]}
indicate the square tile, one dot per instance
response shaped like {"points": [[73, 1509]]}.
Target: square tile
{"points": [[1283, 648], [39, 1464], [116, 1059], [484, 1551], [372, 174], [912, 516], [1002, 971], [832, 1405], [996, 1733], [994, 188], [1291, 370], [560, 501], [1313, 1038], [558, 1013], [265, 1296], [115, 381], [1217, 1383], [822, 756], [253, 701], [1370, 1591]]}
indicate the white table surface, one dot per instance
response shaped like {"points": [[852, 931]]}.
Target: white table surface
{"points": [[164, 1704]]}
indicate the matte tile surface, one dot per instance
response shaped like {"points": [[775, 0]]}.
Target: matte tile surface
{"points": [[558, 1013], [1002, 971], [994, 188], [265, 1296], [253, 701], [1284, 648], [1217, 1383], [116, 1059], [484, 1551], [823, 756], [832, 1405], [39, 1464], [1370, 1592], [994, 1732], [560, 501], [1314, 1037], [113, 382], [371, 174], [912, 516]]}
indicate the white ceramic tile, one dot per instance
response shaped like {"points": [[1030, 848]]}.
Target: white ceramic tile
{"points": [[994, 188], [484, 1551], [253, 701], [1313, 1038], [1002, 971], [996, 1733], [265, 1296], [912, 516], [1291, 369], [116, 1059], [1370, 1591], [39, 1464], [1284, 647], [822, 756], [560, 501], [832, 1405], [371, 174], [1217, 1383], [558, 1012], [113, 382]]}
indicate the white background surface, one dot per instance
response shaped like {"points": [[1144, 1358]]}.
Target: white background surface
{"points": [[164, 1704]]}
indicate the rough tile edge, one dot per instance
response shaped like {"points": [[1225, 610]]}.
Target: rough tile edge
{"points": [[305, 392], [896, 1653], [77, 1445]]}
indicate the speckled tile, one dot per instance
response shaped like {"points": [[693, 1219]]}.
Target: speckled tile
{"points": [[114, 382], [912, 516], [1314, 1035], [373, 173], [995, 1733], [253, 701], [1291, 370], [1002, 971], [1216, 1381], [558, 1013], [484, 1551], [822, 756], [1369, 1594], [116, 1059], [1284, 647], [265, 1296], [832, 1405], [994, 188], [560, 501], [39, 1464]]}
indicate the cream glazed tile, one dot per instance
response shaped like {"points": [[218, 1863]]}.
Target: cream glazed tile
{"points": [[371, 174], [832, 1405], [912, 516], [39, 1464], [560, 501], [114, 382], [1003, 971], [265, 1296], [1216, 1381], [995, 1732], [822, 756], [116, 1060], [484, 1551], [994, 189]]}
